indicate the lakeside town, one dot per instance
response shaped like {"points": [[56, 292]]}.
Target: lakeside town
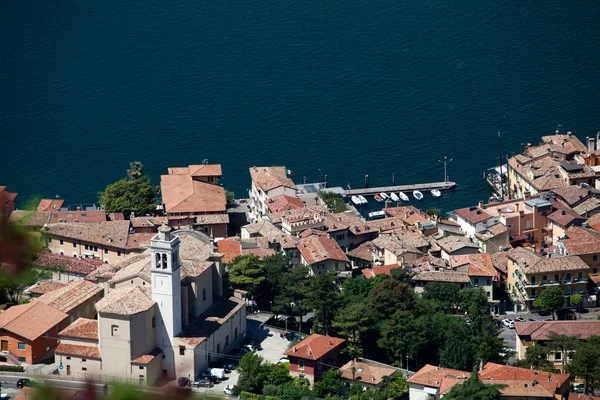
{"points": [[291, 293]]}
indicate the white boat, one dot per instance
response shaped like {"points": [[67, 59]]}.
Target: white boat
{"points": [[394, 196], [403, 196], [362, 199], [377, 214], [384, 196], [418, 195], [355, 200], [436, 193], [378, 198]]}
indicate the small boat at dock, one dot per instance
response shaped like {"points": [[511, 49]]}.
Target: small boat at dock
{"points": [[363, 200], [377, 214], [403, 196], [378, 198], [355, 200], [418, 195], [384, 196], [394, 197], [436, 193]]}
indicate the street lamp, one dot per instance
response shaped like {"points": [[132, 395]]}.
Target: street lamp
{"points": [[445, 161]]}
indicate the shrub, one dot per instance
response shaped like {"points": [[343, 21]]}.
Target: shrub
{"points": [[11, 368]]}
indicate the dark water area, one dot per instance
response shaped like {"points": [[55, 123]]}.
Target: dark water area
{"points": [[324, 87]]}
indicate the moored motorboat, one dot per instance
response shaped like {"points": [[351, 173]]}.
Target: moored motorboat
{"points": [[418, 195], [355, 200], [394, 197], [378, 198], [377, 214], [363, 200], [384, 196], [403, 196], [436, 193]]}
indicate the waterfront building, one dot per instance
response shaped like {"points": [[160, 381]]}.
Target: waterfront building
{"points": [[529, 274], [268, 183], [322, 254], [192, 197], [165, 315]]}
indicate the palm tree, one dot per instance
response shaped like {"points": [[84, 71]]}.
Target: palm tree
{"points": [[136, 169]]}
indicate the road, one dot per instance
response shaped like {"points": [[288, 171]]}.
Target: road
{"points": [[9, 384]]}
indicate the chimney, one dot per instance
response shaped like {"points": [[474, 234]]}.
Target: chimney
{"points": [[480, 204], [329, 341], [591, 144], [295, 349], [598, 141]]}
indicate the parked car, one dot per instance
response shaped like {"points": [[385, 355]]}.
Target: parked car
{"points": [[183, 382], [519, 319], [578, 388], [21, 383], [207, 383], [506, 351], [228, 390], [283, 360], [216, 373], [509, 323]]}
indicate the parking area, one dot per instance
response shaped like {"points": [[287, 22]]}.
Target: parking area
{"points": [[273, 347]]}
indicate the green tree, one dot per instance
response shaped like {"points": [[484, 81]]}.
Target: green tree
{"points": [[129, 196], [334, 201], [473, 301], [536, 357], [577, 300], [329, 385], [446, 294], [247, 273], [401, 275], [229, 197], [324, 297], [433, 211], [473, 389], [353, 320], [586, 361], [136, 170], [485, 334], [551, 300], [563, 344], [458, 355], [390, 296], [12, 287], [402, 334], [252, 376], [293, 289]]}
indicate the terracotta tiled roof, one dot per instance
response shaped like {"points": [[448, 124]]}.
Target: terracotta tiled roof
{"points": [[480, 264], [147, 222], [53, 261], [366, 372], [515, 379], [197, 170], [50, 204], [473, 215], [587, 206], [126, 301], [564, 216], [573, 194], [363, 252], [31, 320], [106, 271], [233, 247], [182, 194], [83, 328], [450, 244], [523, 257], [500, 261], [409, 214], [565, 143], [315, 249], [379, 270], [45, 287], [78, 351], [540, 330], [442, 276], [109, 233], [531, 262], [442, 378], [284, 202], [77, 216], [212, 219], [582, 241], [268, 178], [146, 358], [34, 219], [399, 245], [298, 213], [72, 295], [315, 346]]}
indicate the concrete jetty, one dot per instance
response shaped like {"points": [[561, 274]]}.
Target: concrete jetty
{"points": [[423, 187]]}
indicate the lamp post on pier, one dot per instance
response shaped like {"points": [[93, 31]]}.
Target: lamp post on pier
{"points": [[445, 161]]}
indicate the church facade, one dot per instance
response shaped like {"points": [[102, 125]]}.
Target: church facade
{"points": [[164, 316]]}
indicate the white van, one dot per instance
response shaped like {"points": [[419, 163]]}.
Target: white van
{"points": [[218, 373]]}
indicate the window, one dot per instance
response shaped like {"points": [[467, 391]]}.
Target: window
{"points": [[141, 379], [544, 277], [533, 280], [533, 292], [595, 258], [569, 276], [570, 355], [22, 359], [105, 251], [182, 350], [227, 340], [62, 242], [75, 255], [95, 248], [556, 278], [58, 327], [83, 368], [476, 281], [21, 346], [140, 367], [301, 364], [488, 294], [74, 244], [114, 330], [154, 322], [204, 294], [595, 270], [118, 254], [558, 355], [164, 261], [83, 360], [48, 335], [579, 275], [68, 358], [86, 247]]}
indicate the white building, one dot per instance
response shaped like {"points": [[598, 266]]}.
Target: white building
{"points": [[268, 182]]}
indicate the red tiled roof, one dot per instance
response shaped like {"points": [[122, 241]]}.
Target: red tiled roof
{"points": [[146, 358], [479, 264], [77, 216], [540, 330], [82, 328], [78, 351], [45, 287], [72, 295], [75, 265], [284, 202], [233, 247], [565, 217], [474, 215], [315, 347], [197, 170], [582, 241], [31, 320], [320, 248], [363, 252], [442, 378], [515, 379], [50, 204], [267, 178], [182, 194], [378, 270], [366, 372]]}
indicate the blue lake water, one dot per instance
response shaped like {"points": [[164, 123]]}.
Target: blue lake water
{"points": [[343, 88]]}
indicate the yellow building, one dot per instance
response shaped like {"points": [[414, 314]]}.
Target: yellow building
{"points": [[529, 274]]}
